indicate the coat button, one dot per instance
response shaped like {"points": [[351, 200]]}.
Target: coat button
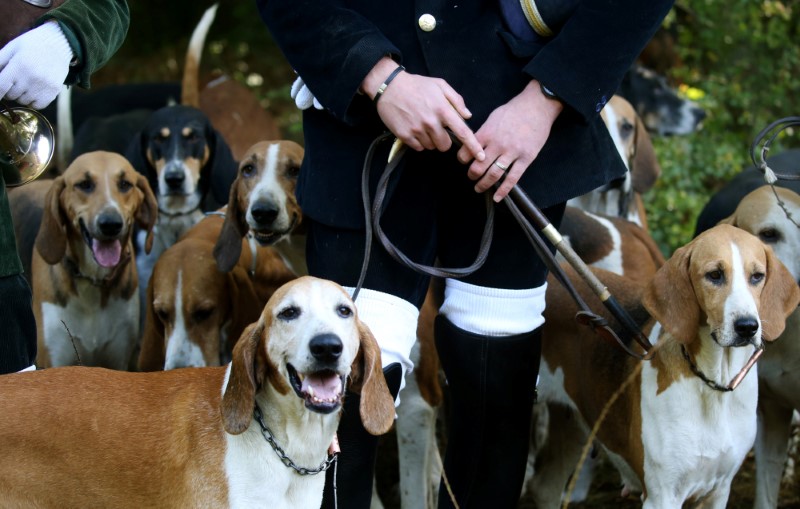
{"points": [[427, 22]]}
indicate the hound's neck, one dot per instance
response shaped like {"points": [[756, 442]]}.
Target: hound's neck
{"points": [[293, 251], [717, 363], [170, 228], [304, 435]]}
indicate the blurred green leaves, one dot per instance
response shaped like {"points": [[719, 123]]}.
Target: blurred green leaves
{"points": [[744, 56]]}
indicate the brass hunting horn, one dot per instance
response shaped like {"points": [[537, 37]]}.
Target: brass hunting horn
{"points": [[26, 144], [26, 136]]}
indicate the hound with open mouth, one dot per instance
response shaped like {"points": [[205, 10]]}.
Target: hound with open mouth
{"points": [[84, 272], [257, 432]]}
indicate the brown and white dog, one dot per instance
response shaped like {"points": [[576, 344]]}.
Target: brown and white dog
{"points": [[761, 214], [671, 433], [262, 204], [612, 243], [189, 437], [609, 243], [622, 198], [85, 295], [194, 312]]}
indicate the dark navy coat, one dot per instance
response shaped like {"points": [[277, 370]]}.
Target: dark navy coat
{"points": [[333, 44]]}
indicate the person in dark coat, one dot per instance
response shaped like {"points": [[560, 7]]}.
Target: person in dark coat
{"points": [[522, 93], [40, 51]]}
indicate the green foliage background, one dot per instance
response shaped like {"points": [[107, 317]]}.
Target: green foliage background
{"points": [[743, 54]]}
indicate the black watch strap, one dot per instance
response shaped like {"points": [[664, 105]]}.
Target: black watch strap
{"points": [[548, 93]]}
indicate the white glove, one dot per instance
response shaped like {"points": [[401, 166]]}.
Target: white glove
{"points": [[34, 65], [302, 96]]}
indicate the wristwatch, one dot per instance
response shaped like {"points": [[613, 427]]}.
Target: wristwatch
{"points": [[548, 93]]}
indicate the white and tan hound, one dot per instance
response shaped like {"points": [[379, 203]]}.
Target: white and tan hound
{"points": [[262, 204], [674, 434], [622, 198], [84, 274], [91, 437]]}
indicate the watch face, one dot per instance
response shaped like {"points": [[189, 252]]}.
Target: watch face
{"points": [[547, 92]]}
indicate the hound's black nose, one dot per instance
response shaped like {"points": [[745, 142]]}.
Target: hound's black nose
{"points": [[174, 179], [745, 328], [264, 213], [109, 224], [326, 347]]}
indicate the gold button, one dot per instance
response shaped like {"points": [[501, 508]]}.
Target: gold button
{"points": [[427, 22]]}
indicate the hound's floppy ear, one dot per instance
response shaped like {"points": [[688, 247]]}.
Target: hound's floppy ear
{"points": [[228, 248], [136, 154], [377, 405], [223, 168], [51, 240], [147, 214], [240, 394], [670, 298], [152, 355], [732, 220], [245, 307], [645, 168], [779, 298]]}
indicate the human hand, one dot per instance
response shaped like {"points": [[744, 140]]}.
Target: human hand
{"points": [[512, 137], [302, 96], [419, 110], [34, 65]]}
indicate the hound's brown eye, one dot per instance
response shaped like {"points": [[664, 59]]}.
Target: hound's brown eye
{"points": [[200, 315], [293, 171], [756, 278], [715, 276], [289, 313], [248, 170], [344, 311], [124, 186], [162, 315], [769, 236], [626, 127], [86, 185]]}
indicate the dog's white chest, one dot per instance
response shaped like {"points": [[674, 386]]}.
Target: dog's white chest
{"points": [[694, 440], [258, 478], [101, 336]]}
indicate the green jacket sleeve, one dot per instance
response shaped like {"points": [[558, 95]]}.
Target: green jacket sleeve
{"points": [[95, 29]]}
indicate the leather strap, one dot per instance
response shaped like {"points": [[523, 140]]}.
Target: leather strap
{"points": [[525, 212], [764, 136], [372, 214]]}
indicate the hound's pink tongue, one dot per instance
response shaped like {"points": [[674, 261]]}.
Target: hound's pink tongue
{"points": [[324, 387], [107, 252]]}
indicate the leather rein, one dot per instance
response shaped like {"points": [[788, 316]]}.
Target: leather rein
{"points": [[527, 215]]}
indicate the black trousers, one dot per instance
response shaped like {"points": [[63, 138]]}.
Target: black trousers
{"points": [[432, 213]]}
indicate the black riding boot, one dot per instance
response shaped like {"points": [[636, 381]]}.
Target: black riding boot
{"points": [[356, 462], [492, 384]]}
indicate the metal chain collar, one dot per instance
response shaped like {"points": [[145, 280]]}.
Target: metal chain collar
{"points": [[714, 385], [285, 459]]}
